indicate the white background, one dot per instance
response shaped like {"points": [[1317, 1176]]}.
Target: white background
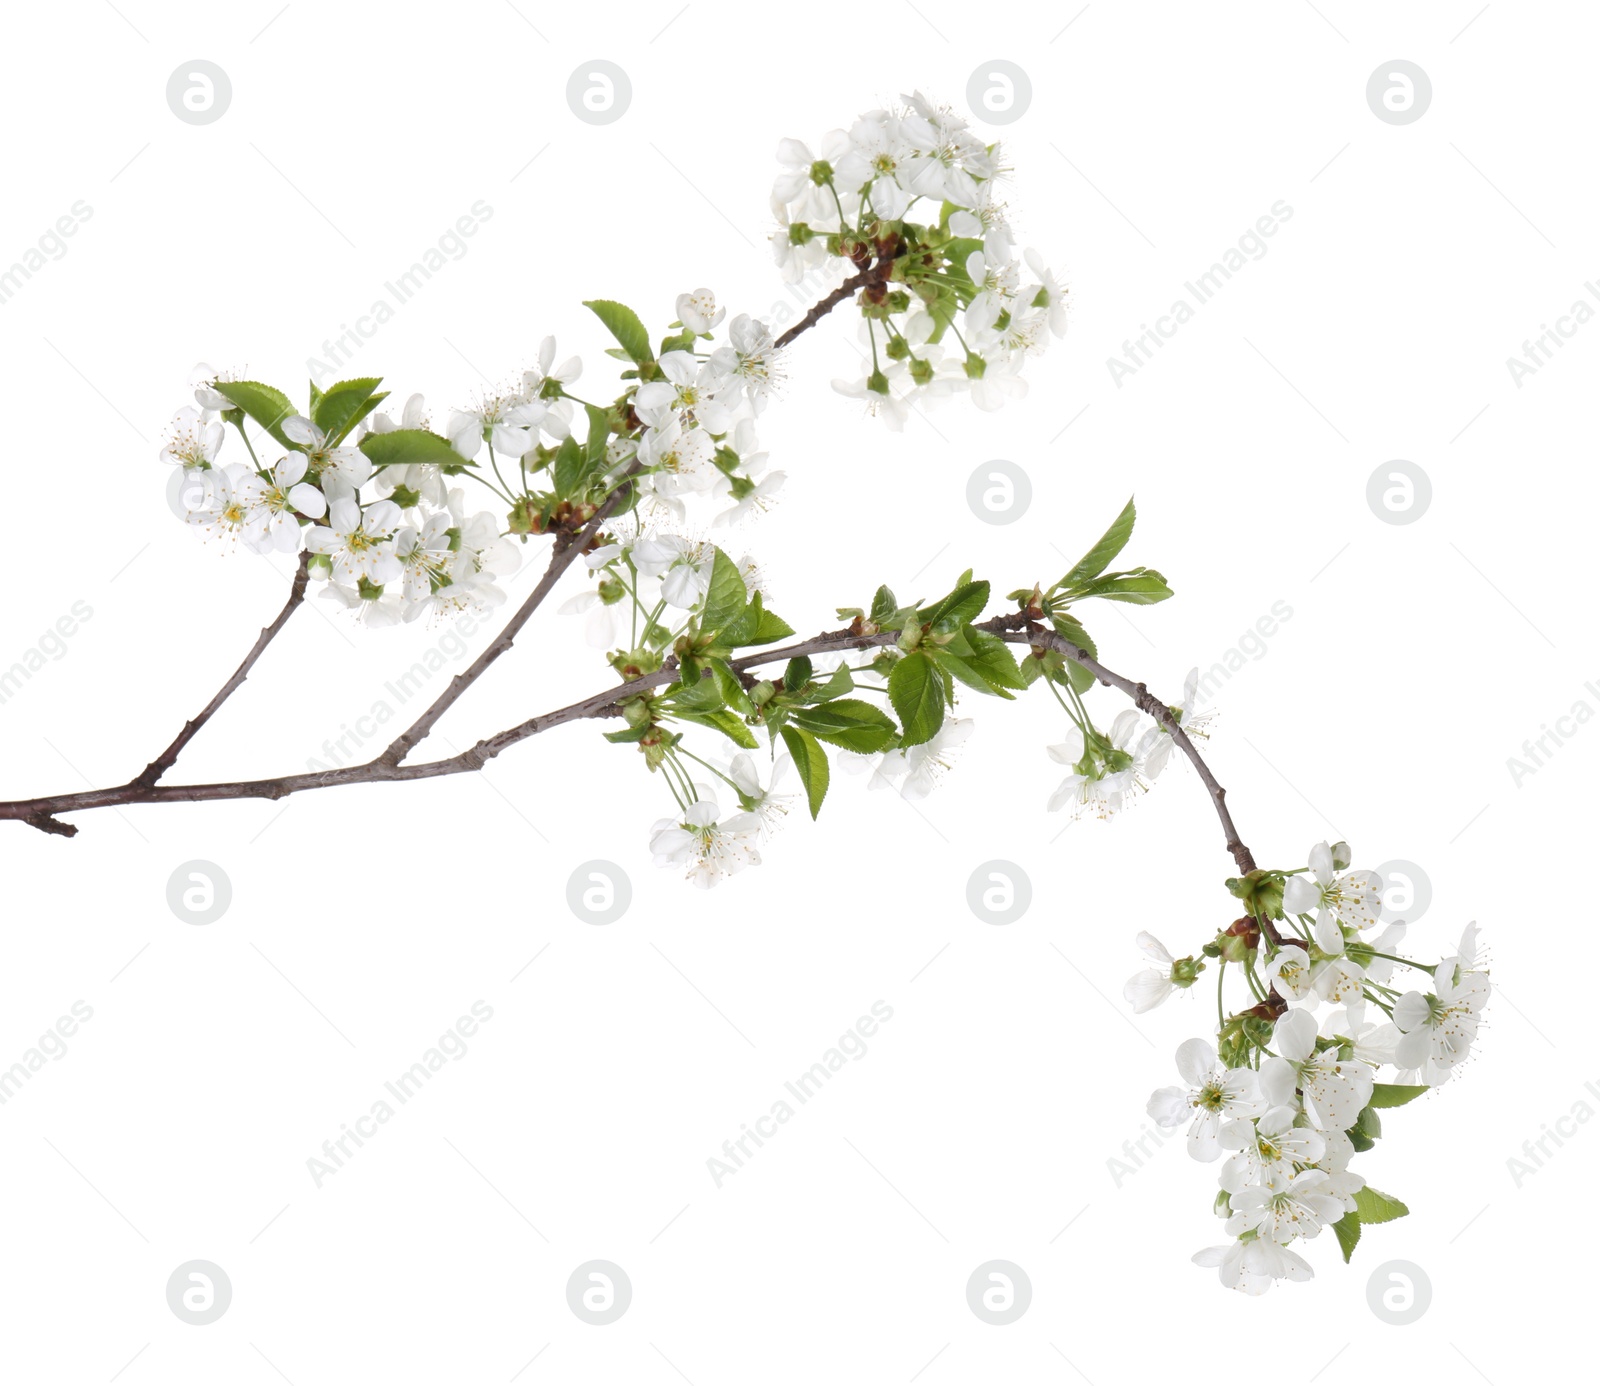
{"points": [[981, 1121]]}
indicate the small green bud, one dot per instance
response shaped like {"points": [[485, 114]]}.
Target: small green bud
{"points": [[1261, 891], [975, 367], [898, 348], [1186, 972], [921, 370], [878, 383], [800, 233], [821, 172]]}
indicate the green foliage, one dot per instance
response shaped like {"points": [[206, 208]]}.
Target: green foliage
{"points": [[727, 723], [339, 408], [812, 763], [1395, 1094], [1373, 1205], [917, 691], [1348, 1231], [623, 324], [269, 407], [726, 598], [1107, 547], [402, 446], [963, 605], [848, 722]]}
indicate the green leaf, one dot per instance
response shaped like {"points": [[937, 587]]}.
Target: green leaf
{"points": [[732, 690], [916, 689], [755, 626], [696, 694], [848, 722], [1372, 1205], [402, 446], [883, 607], [568, 469], [958, 250], [770, 627], [812, 763], [992, 657], [840, 682], [1107, 547], [1075, 635], [1369, 1124], [726, 597], [594, 446], [961, 606], [1348, 1231], [1141, 587], [962, 669], [797, 674], [623, 324], [627, 734], [267, 406], [1395, 1094], [726, 723], [1360, 1139], [343, 405]]}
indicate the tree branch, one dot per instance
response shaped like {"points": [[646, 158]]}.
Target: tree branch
{"points": [[862, 279], [1017, 628], [165, 761], [1020, 629], [567, 548]]}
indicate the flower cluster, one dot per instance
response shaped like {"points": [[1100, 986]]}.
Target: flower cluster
{"points": [[1290, 1090], [909, 200], [1109, 769]]}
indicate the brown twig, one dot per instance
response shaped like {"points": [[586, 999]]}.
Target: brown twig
{"points": [[1022, 630], [862, 279], [165, 761], [1016, 628], [567, 548]]}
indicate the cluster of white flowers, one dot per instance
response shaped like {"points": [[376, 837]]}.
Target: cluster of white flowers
{"points": [[1290, 1101], [390, 545], [1110, 769], [951, 270]]}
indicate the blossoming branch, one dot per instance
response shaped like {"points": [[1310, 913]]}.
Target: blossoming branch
{"points": [[715, 701]]}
